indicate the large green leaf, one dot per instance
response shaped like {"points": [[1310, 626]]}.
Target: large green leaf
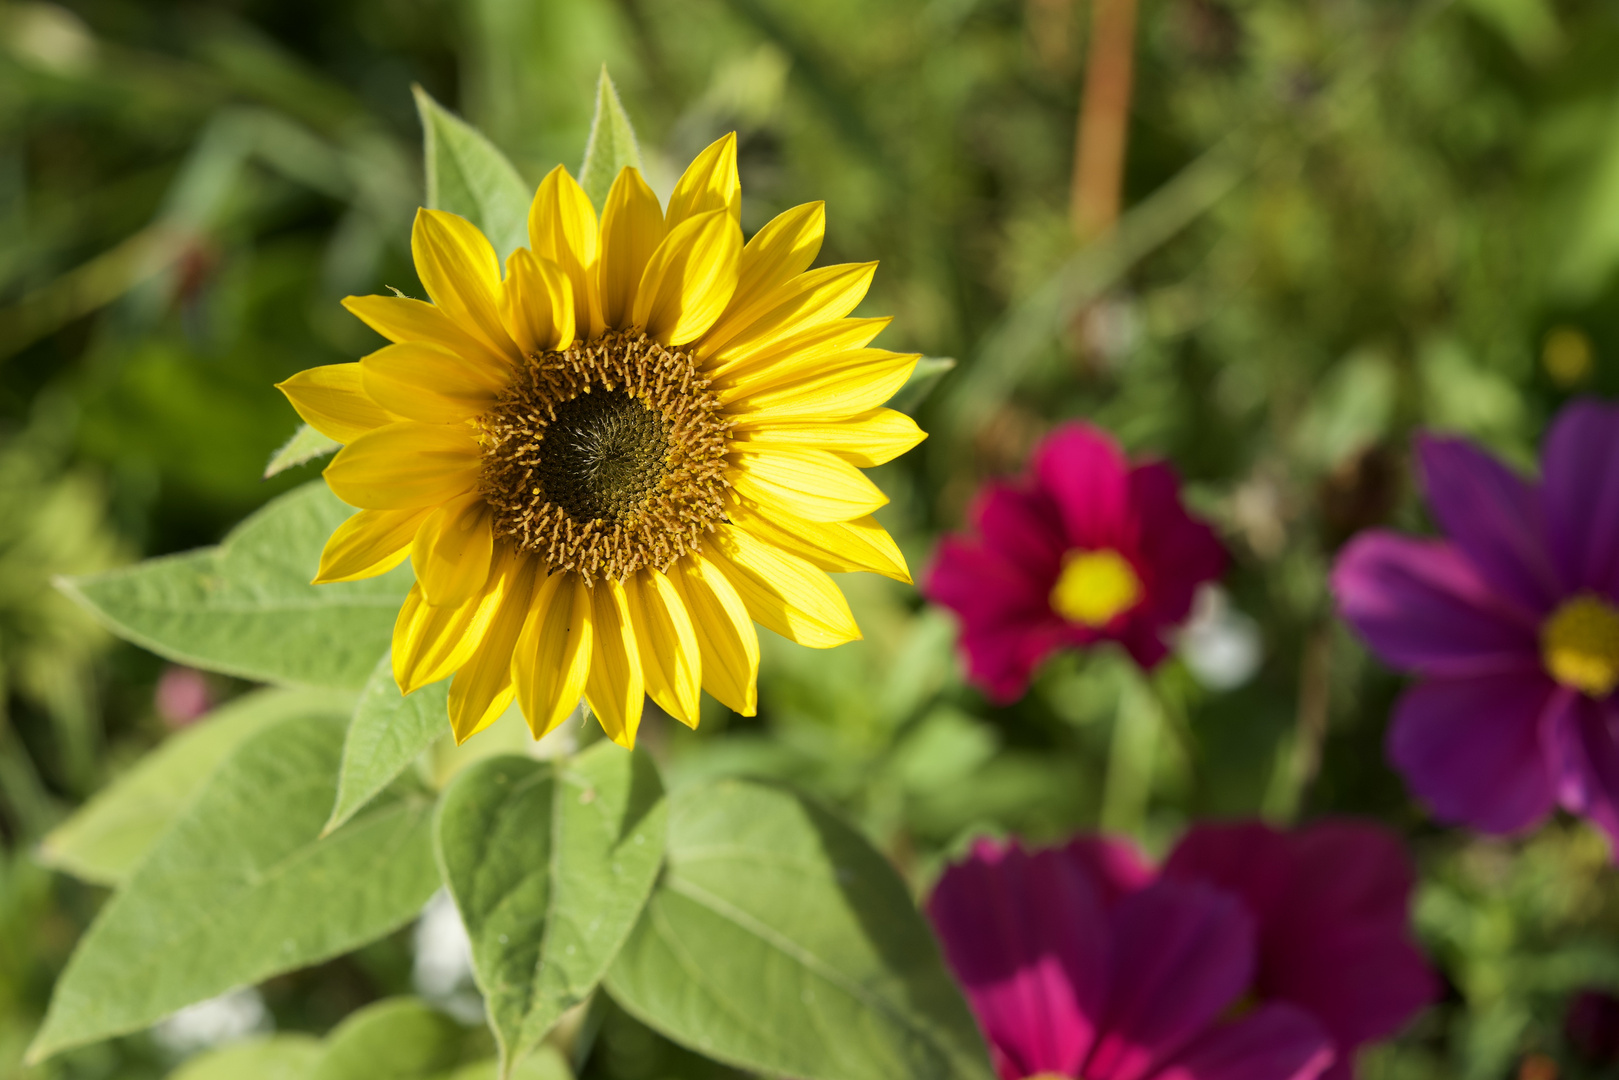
{"points": [[467, 175], [105, 840], [611, 145], [550, 864], [779, 940], [397, 1039], [388, 732], [247, 608], [280, 1057], [240, 888]]}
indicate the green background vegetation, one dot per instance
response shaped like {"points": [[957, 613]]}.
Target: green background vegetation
{"points": [[1344, 219]]}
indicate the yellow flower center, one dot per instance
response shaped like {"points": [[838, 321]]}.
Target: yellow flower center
{"points": [[1580, 645], [606, 456], [1095, 587]]}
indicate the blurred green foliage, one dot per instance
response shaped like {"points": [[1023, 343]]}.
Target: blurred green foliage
{"points": [[1345, 219]]}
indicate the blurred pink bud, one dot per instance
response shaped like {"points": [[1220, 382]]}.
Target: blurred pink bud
{"points": [[1592, 1026], [182, 695]]}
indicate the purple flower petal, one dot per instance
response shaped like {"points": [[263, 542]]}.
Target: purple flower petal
{"points": [[1494, 516], [1470, 749], [1582, 737], [1420, 606], [1332, 903], [1023, 934], [1115, 866], [1088, 478], [1580, 482], [1182, 954], [1274, 1042]]}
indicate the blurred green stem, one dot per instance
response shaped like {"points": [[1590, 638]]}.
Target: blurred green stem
{"points": [[1132, 757]]}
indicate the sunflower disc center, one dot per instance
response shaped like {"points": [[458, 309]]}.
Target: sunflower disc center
{"points": [[603, 455], [606, 457]]}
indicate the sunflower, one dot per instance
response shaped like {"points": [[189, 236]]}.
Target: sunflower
{"points": [[608, 463]]}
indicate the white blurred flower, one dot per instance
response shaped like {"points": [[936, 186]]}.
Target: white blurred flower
{"points": [[1220, 644], [225, 1019], [443, 970]]}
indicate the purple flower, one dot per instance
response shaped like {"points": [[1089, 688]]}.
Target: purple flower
{"points": [[1511, 624], [1592, 1027], [1253, 955], [1086, 548]]}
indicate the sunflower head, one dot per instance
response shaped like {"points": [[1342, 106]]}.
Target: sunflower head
{"points": [[609, 458]]}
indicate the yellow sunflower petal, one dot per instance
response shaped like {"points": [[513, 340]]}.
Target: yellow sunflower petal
{"points": [[428, 383], [783, 592], [552, 660], [632, 228], [779, 252], [431, 641], [818, 296], [460, 272], [812, 484], [369, 543], [333, 401], [615, 689], [838, 388], [562, 228], [536, 303], [840, 547], [671, 660], [453, 549], [803, 350], [726, 639], [864, 440], [403, 319], [405, 465], [689, 278], [709, 183], [483, 686]]}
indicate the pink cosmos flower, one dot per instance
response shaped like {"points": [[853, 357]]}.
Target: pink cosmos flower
{"points": [[1511, 624], [1086, 548], [1252, 955]]}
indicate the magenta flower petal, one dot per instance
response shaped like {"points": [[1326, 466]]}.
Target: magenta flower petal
{"points": [[1007, 626], [1494, 516], [1179, 552], [1088, 479], [1274, 1042], [1471, 750], [1025, 936], [1182, 955], [1420, 606], [1583, 744], [1580, 467], [1024, 528]]}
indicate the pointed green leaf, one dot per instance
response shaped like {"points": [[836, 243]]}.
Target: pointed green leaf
{"points": [[280, 1057], [780, 941], [467, 175], [611, 146], [110, 834], [241, 888], [388, 732], [923, 381], [306, 444], [246, 608], [550, 864], [543, 1064], [396, 1039]]}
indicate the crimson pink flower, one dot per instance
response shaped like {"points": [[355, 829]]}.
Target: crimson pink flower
{"points": [[1086, 548], [1252, 955], [1511, 624]]}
